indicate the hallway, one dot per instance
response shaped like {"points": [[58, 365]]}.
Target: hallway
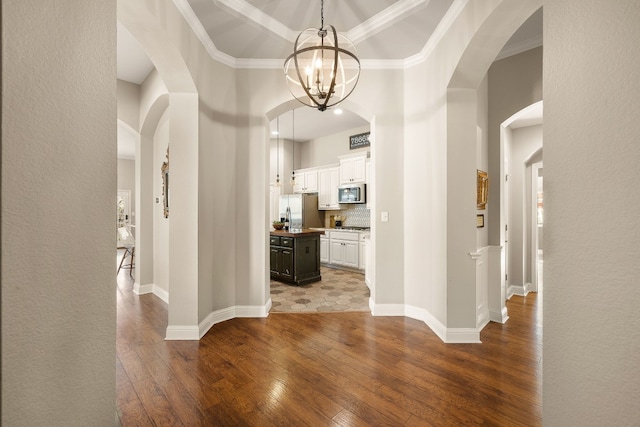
{"points": [[325, 369]]}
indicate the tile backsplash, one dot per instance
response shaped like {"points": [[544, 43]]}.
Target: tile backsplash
{"points": [[355, 216]]}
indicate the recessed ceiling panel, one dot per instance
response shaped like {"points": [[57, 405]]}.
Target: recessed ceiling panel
{"points": [[302, 14], [408, 36]]}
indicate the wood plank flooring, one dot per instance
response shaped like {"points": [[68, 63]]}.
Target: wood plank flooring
{"points": [[325, 369]]}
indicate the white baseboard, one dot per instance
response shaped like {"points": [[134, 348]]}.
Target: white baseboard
{"points": [[387, 310], [161, 293], [229, 313], [463, 336], [520, 290], [182, 333], [483, 320], [429, 319], [139, 289], [151, 288], [214, 317], [447, 335], [499, 317]]}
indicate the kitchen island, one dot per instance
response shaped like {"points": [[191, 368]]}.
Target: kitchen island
{"points": [[295, 256]]}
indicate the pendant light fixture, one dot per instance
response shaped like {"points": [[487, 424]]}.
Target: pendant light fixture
{"points": [[293, 147], [278, 151], [323, 69]]}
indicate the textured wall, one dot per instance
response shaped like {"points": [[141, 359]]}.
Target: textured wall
{"points": [[592, 205], [58, 192]]}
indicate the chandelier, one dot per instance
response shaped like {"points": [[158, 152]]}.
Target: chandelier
{"points": [[323, 69]]}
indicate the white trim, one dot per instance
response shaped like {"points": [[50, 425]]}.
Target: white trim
{"points": [[438, 34], [214, 317], [483, 320], [447, 335], [248, 12], [463, 336], [151, 288], [182, 333], [520, 47], [432, 323], [384, 19], [139, 289], [357, 32], [218, 316], [161, 293], [189, 15], [499, 317], [520, 290], [387, 310]]}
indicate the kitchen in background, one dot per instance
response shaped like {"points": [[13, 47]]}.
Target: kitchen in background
{"points": [[358, 216]]}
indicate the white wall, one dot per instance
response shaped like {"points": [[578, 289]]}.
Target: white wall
{"points": [[524, 142], [129, 103], [482, 153], [160, 223], [325, 151], [58, 189], [514, 83], [592, 206]]}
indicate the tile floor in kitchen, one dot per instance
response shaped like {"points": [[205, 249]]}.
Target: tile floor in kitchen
{"points": [[339, 290]]}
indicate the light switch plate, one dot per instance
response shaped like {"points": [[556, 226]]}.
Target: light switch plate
{"points": [[384, 216]]}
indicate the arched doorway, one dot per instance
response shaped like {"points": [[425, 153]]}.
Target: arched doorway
{"points": [[147, 27], [463, 276], [285, 108]]}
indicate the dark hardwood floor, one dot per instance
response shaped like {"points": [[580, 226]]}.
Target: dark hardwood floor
{"points": [[342, 369]]}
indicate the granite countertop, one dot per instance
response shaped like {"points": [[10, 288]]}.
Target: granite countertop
{"points": [[297, 232]]}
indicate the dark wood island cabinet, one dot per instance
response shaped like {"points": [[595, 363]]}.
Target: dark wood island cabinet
{"points": [[295, 256]]}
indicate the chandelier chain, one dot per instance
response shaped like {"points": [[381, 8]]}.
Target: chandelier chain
{"points": [[321, 14]]}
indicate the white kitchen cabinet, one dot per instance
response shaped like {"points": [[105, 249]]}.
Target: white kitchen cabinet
{"points": [[362, 252], [353, 169], [328, 189], [306, 181], [324, 250], [344, 248]]}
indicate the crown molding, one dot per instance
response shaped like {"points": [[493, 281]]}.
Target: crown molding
{"points": [[520, 47], [247, 11], [189, 15], [360, 32], [384, 19], [267, 64], [441, 30]]}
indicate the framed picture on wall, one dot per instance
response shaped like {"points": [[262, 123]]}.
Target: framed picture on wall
{"points": [[482, 190]]}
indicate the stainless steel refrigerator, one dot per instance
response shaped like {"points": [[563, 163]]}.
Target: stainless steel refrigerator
{"points": [[304, 210]]}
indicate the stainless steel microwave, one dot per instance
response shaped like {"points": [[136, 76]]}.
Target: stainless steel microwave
{"points": [[352, 193]]}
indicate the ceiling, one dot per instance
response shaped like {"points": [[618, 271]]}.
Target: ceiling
{"points": [[261, 33]]}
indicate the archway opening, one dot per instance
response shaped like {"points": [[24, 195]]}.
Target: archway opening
{"points": [[305, 157]]}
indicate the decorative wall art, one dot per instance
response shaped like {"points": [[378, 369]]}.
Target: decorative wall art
{"points": [[165, 185], [482, 190], [360, 140]]}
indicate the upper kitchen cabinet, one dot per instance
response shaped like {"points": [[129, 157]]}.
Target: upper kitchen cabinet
{"points": [[306, 181], [328, 189], [353, 169]]}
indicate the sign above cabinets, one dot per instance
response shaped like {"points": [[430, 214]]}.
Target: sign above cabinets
{"points": [[360, 140]]}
